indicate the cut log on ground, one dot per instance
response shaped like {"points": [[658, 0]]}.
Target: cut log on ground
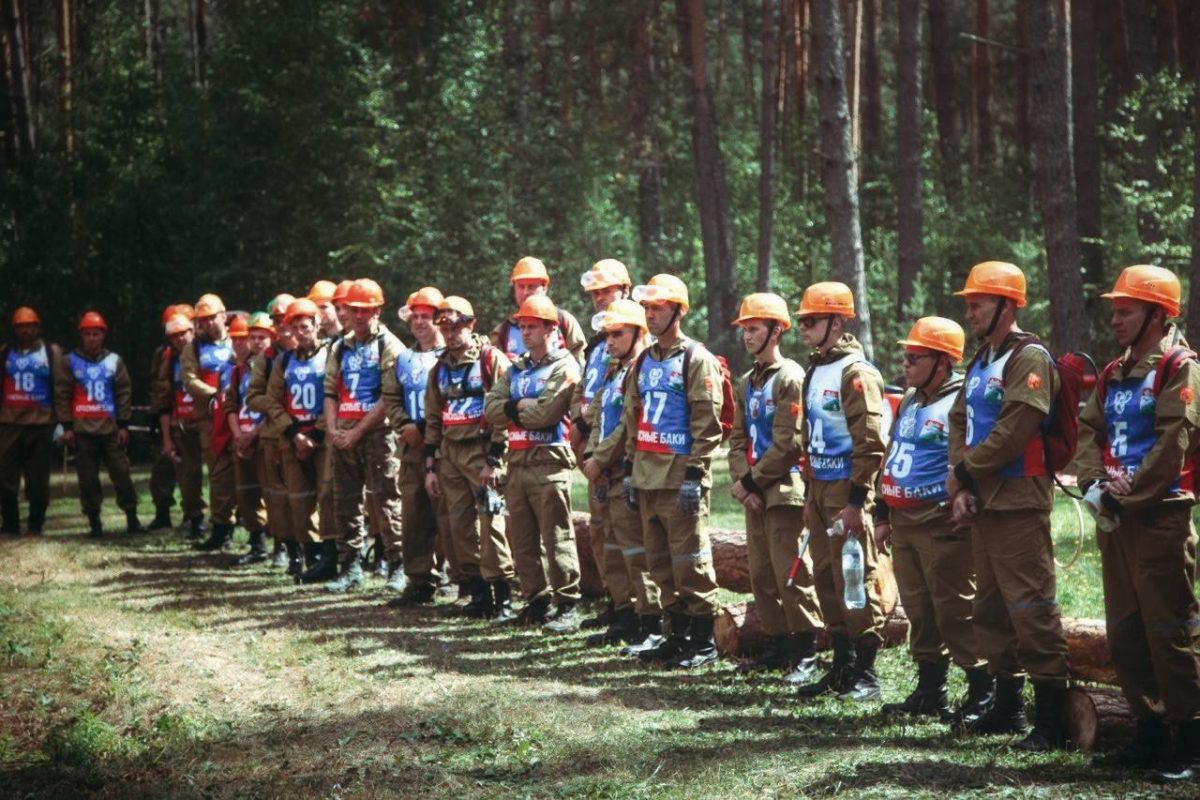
{"points": [[1087, 651], [1098, 718]]}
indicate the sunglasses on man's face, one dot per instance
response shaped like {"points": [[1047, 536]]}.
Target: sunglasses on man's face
{"points": [[809, 322], [911, 359]]}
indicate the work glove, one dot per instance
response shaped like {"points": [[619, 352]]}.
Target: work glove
{"points": [[493, 501], [628, 493], [688, 500], [1095, 507], [600, 493]]}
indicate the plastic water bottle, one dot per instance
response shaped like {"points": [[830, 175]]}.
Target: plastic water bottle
{"points": [[855, 594]]}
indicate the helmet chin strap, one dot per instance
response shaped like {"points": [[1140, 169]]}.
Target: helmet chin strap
{"points": [[766, 341], [828, 330], [932, 372], [995, 319], [1145, 324]]}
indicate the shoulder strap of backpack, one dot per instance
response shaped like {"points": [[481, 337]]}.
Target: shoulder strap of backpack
{"points": [[1102, 379], [1172, 360], [487, 365], [637, 364], [687, 364], [1022, 343]]}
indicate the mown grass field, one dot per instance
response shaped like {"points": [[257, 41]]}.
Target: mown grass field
{"points": [[133, 667]]}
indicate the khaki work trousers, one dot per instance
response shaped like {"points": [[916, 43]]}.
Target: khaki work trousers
{"points": [[303, 482], [421, 516], [541, 533], [687, 581], [826, 500], [251, 511], [275, 493], [1149, 568], [610, 560], [162, 481], [25, 452], [935, 574], [772, 542], [623, 531], [369, 466], [189, 470], [92, 450], [1017, 624], [478, 538], [222, 483]]}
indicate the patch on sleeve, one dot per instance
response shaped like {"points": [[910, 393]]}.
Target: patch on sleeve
{"points": [[795, 409], [708, 384], [1033, 381], [857, 383], [1187, 395]]}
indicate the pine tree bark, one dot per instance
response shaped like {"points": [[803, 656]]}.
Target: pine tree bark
{"points": [[712, 192], [1193, 307], [945, 23], [853, 16], [981, 89], [200, 42], [767, 135], [154, 38], [872, 81], [800, 57], [838, 166], [909, 194], [1021, 132], [23, 81], [1139, 25], [644, 123], [1085, 59], [1054, 174]]}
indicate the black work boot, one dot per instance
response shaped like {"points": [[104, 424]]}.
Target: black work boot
{"points": [[862, 684], [258, 550], [502, 610], [10, 515], [1050, 719], [649, 635], [350, 579], [281, 559], [774, 656], [1151, 746], [601, 620], [981, 694], [624, 627], [220, 538], [480, 605], [322, 562], [930, 698], [132, 523], [701, 649], [565, 618], [1007, 714], [295, 558], [535, 613], [382, 568], [1184, 762], [802, 658], [95, 526], [837, 678], [397, 581], [37, 519], [416, 593], [196, 528], [674, 642], [162, 519]]}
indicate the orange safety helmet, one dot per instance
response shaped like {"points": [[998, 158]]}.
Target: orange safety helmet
{"points": [[998, 279], [457, 305], [605, 273], [177, 324], [187, 309], [937, 333], [538, 306], [827, 297], [529, 269], [261, 321], [239, 327], [301, 307], [339, 294], [364, 293], [620, 312], [280, 304], [322, 291], [1150, 284], [209, 306], [169, 312], [92, 320], [427, 296], [663, 288], [764, 305], [26, 316]]}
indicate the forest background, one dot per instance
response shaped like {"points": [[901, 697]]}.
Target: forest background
{"points": [[154, 150]]}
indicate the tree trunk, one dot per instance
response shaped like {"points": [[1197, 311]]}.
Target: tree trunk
{"points": [[154, 38], [66, 54], [872, 88], [1021, 132], [1166, 34], [541, 33], [800, 90], [1098, 719], [514, 58], [712, 192], [566, 81], [1086, 95], [909, 195], [1193, 306], [945, 23], [644, 124], [200, 42], [1087, 650], [853, 33], [23, 81], [981, 89], [838, 167], [766, 143], [748, 60], [1054, 173], [1139, 23]]}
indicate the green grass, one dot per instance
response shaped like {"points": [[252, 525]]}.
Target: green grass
{"points": [[137, 668]]}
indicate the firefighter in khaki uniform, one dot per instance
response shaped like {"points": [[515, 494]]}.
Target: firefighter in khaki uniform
{"points": [[532, 398], [846, 420], [673, 424], [93, 400], [28, 369], [206, 367], [764, 462], [461, 461], [1133, 457], [935, 570], [1002, 485], [162, 471], [363, 446], [637, 621], [177, 422], [274, 487], [404, 391], [251, 338], [295, 402], [606, 281], [529, 277]]}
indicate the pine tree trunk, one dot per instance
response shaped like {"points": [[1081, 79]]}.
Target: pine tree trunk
{"points": [[1166, 34], [853, 33], [200, 42], [154, 38], [1021, 132], [1193, 306], [644, 123], [909, 195], [23, 81], [766, 144], [1054, 174], [1139, 25], [838, 167], [1085, 60], [945, 23], [981, 89], [712, 192], [872, 88], [800, 89]]}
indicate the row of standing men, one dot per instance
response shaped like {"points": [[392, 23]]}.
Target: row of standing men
{"points": [[317, 414]]}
